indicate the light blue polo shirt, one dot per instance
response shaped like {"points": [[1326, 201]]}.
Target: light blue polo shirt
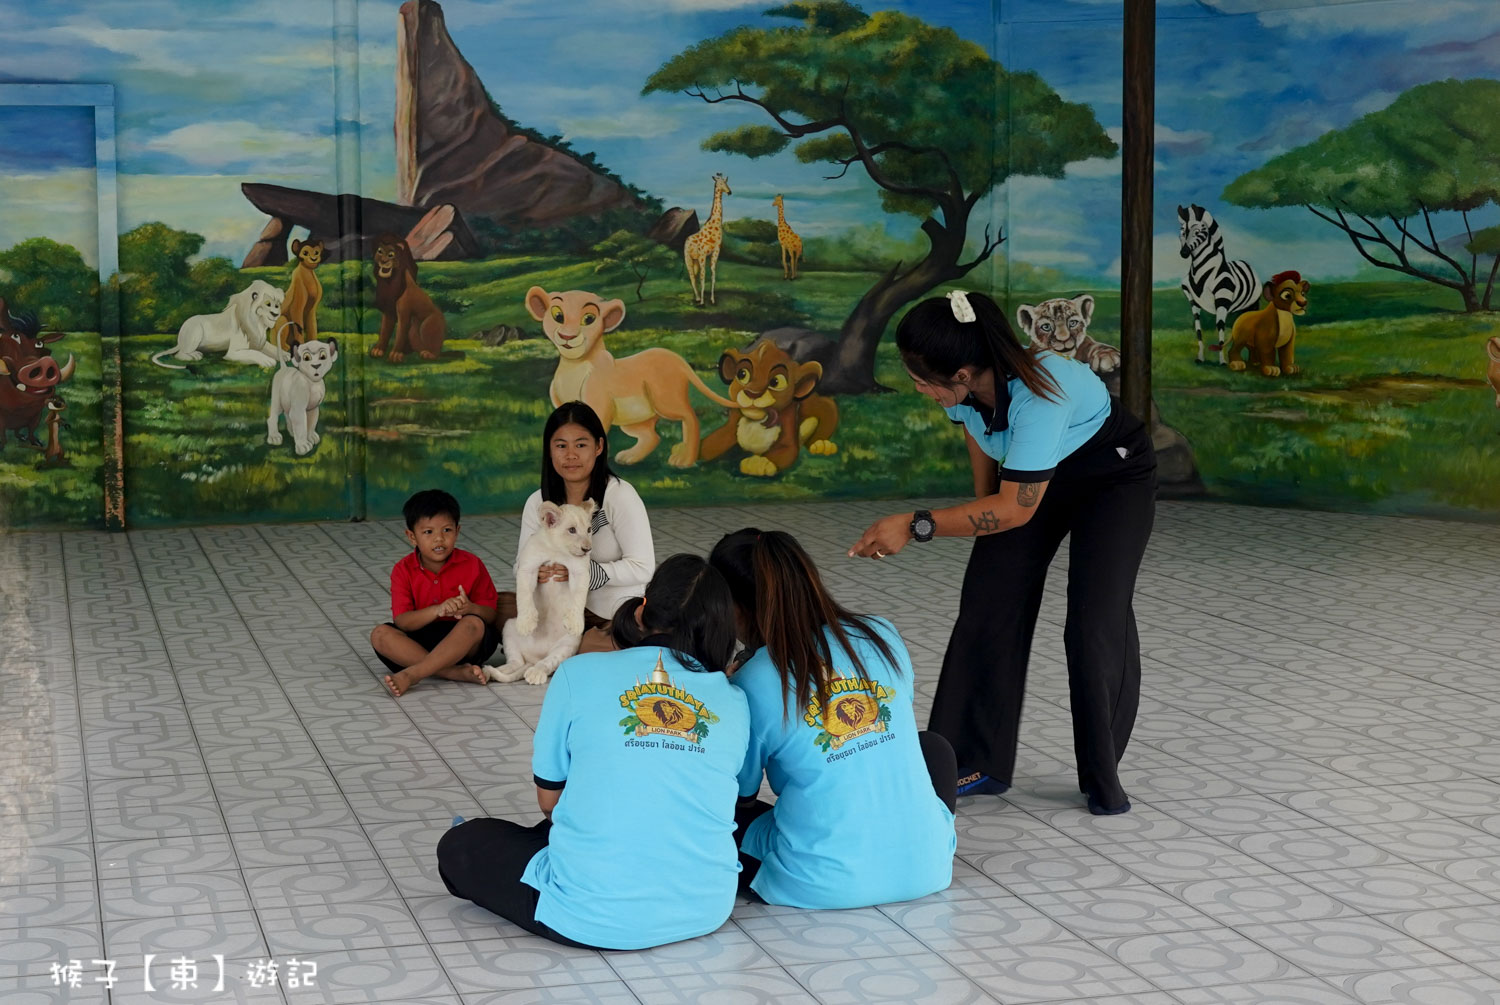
{"points": [[1041, 432], [857, 821], [641, 851]]}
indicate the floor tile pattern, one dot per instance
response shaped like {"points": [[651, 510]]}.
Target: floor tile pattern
{"points": [[199, 763]]}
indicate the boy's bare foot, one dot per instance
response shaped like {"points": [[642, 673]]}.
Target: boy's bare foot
{"points": [[469, 673], [397, 683]]}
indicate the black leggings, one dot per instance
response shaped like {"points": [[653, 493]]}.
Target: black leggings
{"points": [[483, 860], [942, 768], [1103, 498]]}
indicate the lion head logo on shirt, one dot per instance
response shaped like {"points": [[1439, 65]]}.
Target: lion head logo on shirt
{"points": [[659, 706], [854, 707]]}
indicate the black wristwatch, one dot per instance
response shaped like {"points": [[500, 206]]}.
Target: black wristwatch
{"points": [[923, 526]]}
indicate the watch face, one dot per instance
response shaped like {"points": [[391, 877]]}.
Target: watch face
{"points": [[923, 527]]}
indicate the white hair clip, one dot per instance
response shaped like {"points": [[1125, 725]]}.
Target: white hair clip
{"points": [[962, 309]]}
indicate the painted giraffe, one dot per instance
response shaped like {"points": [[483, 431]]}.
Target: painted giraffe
{"points": [[791, 244], [703, 247]]}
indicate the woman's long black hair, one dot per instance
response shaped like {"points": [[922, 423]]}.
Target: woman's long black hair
{"points": [[935, 345], [554, 489], [775, 583], [688, 602]]}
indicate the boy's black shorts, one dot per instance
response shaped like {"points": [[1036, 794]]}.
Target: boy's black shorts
{"points": [[430, 634]]}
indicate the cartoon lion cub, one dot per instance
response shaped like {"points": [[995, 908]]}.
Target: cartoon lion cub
{"points": [[632, 393], [776, 410]]}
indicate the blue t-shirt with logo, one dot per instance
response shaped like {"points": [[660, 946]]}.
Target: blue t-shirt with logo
{"points": [[1041, 432], [641, 851], [857, 821]]}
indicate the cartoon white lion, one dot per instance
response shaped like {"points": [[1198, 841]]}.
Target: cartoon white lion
{"points": [[238, 331]]}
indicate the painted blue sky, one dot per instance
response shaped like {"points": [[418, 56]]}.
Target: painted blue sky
{"points": [[210, 95]]}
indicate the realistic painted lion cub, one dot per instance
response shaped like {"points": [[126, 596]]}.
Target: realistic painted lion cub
{"points": [[548, 625], [1062, 326], [632, 393], [776, 410]]}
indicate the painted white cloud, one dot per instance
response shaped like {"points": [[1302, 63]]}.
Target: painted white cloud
{"points": [[1414, 22], [236, 141], [60, 204], [1178, 141], [211, 205]]}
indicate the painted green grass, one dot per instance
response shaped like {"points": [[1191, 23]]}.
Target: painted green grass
{"points": [[1391, 413]]}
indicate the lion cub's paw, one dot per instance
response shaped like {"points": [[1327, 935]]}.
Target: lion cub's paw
{"points": [[304, 447], [573, 624], [823, 448], [537, 675], [1271, 371], [526, 623], [1291, 371], [757, 466], [682, 457], [274, 439], [1236, 365]]}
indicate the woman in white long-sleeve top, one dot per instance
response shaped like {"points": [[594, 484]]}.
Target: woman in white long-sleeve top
{"points": [[575, 467]]}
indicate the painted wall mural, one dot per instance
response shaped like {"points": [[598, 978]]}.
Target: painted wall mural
{"points": [[378, 265]]}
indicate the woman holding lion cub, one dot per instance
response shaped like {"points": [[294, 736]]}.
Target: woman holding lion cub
{"points": [[575, 468]]}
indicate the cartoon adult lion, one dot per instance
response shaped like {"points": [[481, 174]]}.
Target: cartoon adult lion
{"points": [[238, 331], [406, 311], [632, 393], [776, 410]]}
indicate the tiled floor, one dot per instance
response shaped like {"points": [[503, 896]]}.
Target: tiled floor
{"points": [[197, 760]]}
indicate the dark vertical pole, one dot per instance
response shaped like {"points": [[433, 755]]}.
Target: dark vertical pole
{"points": [[1138, 150]]}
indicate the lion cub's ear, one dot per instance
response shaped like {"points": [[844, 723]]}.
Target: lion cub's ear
{"points": [[1085, 305], [1026, 317], [808, 376], [536, 302], [612, 312], [550, 513], [728, 363]]}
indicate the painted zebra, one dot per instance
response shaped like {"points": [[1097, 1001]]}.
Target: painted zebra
{"points": [[1213, 282]]}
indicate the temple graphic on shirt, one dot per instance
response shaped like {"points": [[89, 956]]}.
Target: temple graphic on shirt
{"points": [[661, 707], [856, 706]]}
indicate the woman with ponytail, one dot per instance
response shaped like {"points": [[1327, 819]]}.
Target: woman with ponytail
{"points": [[1053, 456], [636, 846], [864, 810]]}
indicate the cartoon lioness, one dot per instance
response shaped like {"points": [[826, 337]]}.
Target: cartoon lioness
{"points": [[777, 410], [632, 393]]}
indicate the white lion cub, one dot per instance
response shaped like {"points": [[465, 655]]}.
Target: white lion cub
{"points": [[297, 391], [548, 625]]}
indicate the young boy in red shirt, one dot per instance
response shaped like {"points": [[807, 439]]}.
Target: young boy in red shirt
{"points": [[442, 602]]}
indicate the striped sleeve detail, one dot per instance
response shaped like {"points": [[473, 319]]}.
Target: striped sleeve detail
{"points": [[597, 576], [600, 521]]}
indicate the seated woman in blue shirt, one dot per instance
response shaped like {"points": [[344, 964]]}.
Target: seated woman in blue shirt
{"points": [[864, 811], [637, 848]]}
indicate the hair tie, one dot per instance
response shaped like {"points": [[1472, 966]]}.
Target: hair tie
{"points": [[962, 309]]}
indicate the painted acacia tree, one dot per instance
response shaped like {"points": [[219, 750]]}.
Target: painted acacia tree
{"points": [[1381, 179], [928, 116]]}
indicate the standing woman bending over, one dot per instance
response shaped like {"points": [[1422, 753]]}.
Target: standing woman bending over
{"points": [[1053, 455], [575, 467], [637, 848], [864, 813]]}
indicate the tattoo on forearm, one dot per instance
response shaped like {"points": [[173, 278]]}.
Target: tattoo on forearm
{"points": [[985, 523], [1027, 493]]}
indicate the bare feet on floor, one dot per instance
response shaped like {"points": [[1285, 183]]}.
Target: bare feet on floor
{"points": [[397, 683], [469, 673]]}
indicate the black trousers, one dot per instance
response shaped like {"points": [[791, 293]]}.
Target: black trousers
{"points": [[1105, 503], [942, 768], [483, 860]]}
